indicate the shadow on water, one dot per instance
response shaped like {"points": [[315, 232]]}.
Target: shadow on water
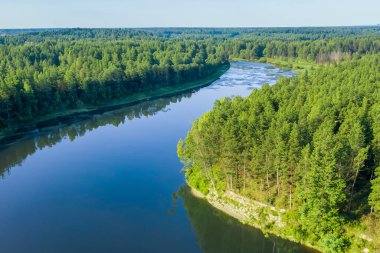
{"points": [[14, 152], [219, 233]]}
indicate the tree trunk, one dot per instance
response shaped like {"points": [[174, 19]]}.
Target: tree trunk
{"points": [[352, 188]]}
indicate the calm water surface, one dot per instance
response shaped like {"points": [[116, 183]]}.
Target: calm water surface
{"points": [[112, 182]]}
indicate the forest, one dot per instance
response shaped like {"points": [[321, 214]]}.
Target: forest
{"points": [[52, 70], [309, 144], [38, 79]]}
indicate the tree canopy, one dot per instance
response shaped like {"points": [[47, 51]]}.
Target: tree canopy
{"points": [[44, 71], [309, 144]]}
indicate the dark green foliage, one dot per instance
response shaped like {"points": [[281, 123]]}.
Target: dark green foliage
{"points": [[39, 79], [21, 36], [308, 144], [50, 70], [374, 197]]}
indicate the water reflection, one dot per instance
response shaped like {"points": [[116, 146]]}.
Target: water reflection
{"points": [[110, 190], [218, 233], [14, 153]]}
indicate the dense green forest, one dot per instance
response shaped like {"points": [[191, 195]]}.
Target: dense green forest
{"points": [[42, 78], [309, 144], [287, 33], [52, 70]]}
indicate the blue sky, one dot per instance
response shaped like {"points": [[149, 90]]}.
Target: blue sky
{"points": [[182, 13]]}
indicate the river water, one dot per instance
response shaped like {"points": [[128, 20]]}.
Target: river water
{"points": [[113, 183]]}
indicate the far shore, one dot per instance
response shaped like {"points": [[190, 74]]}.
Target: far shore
{"points": [[10, 135]]}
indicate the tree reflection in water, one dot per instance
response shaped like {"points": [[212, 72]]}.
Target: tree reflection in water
{"points": [[14, 152], [219, 233]]}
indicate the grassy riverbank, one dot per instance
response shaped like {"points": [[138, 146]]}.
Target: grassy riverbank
{"points": [[295, 64], [253, 213], [273, 221], [13, 132]]}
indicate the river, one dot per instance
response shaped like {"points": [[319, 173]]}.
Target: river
{"points": [[112, 182]]}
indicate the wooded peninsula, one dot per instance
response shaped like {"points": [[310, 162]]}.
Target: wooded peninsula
{"points": [[307, 148]]}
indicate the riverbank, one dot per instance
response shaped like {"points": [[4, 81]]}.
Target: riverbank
{"points": [[295, 64], [253, 213], [9, 135]]}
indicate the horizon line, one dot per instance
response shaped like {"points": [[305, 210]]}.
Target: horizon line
{"points": [[189, 27]]}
